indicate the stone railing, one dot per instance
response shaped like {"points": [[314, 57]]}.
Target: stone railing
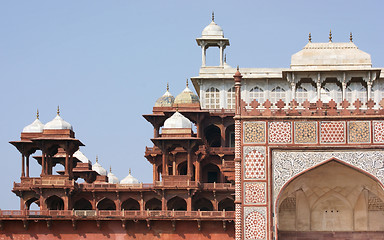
{"points": [[306, 108], [134, 215]]}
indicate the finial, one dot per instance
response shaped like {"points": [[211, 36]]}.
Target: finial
{"points": [[58, 110], [350, 37], [237, 67], [187, 82], [213, 16], [110, 169], [167, 87], [129, 171], [309, 38], [37, 114], [97, 158], [330, 36], [225, 58], [177, 107]]}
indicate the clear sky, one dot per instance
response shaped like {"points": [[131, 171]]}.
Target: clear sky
{"points": [[106, 62]]}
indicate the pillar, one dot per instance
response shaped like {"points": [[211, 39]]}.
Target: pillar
{"points": [[203, 54], [66, 163], [221, 45], [344, 86], [189, 202], [27, 165], [174, 165], [154, 173], [165, 164], [163, 202], [293, 87], [189, 163], [369, 89], [142, 205], [318, 86], [22, 165], [197, 171], [43, 163]]}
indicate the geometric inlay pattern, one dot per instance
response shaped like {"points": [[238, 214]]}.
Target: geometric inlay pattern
{"points": [[287, 164], [254, 223], [254, 162], [332, 132], [378, 131], [280, 132], [254, 132], [254, 192], [238, 222], [305, 132], [359, 132]]}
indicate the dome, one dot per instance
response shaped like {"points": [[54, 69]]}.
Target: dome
{"points": [[35, 127], [186, 97], [177, 120], [166, 100], [129, 179], [112, 178], [212, 30], [81, 157], [58, 123], [99, 169], [331, 55]]}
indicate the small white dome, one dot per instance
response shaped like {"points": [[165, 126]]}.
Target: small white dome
{"points": [[112, 178], [99, 169], [166, 100], [58, 124], [129, 179], [80, 156], [35, 127], [213, 31], [177, 120]]}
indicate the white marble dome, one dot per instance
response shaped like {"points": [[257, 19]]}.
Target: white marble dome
{"points": [[177, 120], [58, 124], [99, 169], [112, 177], [129, 179], [35, 127], [81, 157], [212, 31]]}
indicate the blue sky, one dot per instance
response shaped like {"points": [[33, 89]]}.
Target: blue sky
{"points": [[106, 62]]}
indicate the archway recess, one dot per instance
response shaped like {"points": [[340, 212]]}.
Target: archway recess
{"points": [[331, 197]]}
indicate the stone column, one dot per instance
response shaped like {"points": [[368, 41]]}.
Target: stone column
{"points": [[189, 163], [369, 89], [189, 202], [27, 165], [22, 165], [164, 169], [344, 86], [197, 171], [203, 54], [318, 84], [43, 163], [221, 45]]}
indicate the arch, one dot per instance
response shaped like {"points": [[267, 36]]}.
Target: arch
{"points": [[356, 89], [82, 204], [332, 88], [276, 94], [182, 168], [212, 98], [227, 204], [231, 98], [30, 202], [257, 93], [177, 204], [306, 90], [328, 197], [213, 135], [54, 203], [130, 204], [106, 204], [202, 204], [211, 173], [230, 136], [153, 204]]}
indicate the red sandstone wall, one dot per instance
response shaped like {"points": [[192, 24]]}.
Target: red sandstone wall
{"points": [[113, 230], [331, 235]]}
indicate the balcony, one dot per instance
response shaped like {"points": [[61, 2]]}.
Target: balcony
{"points": [[125, 215]]}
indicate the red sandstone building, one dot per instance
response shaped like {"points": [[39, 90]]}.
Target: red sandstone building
{"points": [[292, 153]]}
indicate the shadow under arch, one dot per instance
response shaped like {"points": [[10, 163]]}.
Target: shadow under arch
{"points": [[308, 183]]}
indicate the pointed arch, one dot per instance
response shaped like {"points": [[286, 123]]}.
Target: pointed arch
{"points": [[54, 203], [130, 204], [202, 204], [153, 204], [177, 204], [82, 204], [106, 204], [227, 204]]}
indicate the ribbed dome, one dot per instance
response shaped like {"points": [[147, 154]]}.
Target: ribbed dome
{"points": [[129, 179], [99, 169], [80, 156], [35, 127], [212, 31], [166, 100], [112, 178], [58, 124], [186, 97], [177, 120]]}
